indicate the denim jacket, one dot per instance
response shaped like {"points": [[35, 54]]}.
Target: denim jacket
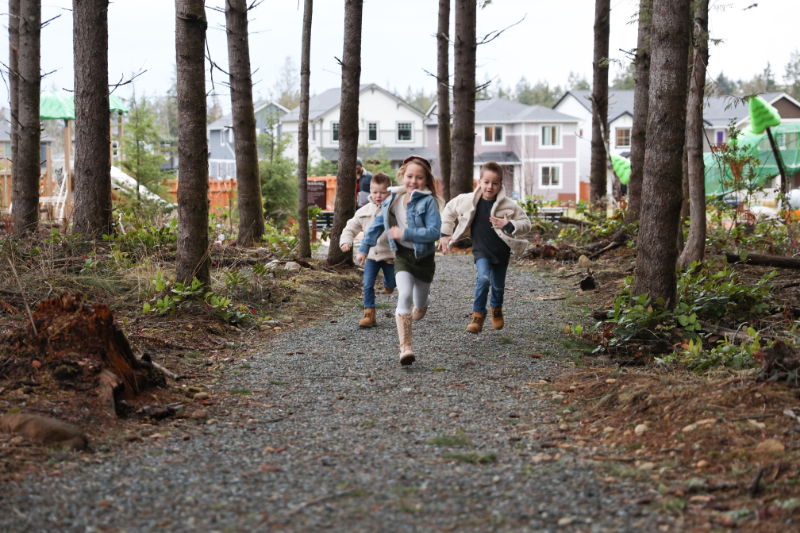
{"points": [[424, 222]]}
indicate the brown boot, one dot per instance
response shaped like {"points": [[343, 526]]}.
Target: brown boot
{"points": [[497, 317], [387, 290], [476, 326], [418, 314], [369, 319], [404, 333]]}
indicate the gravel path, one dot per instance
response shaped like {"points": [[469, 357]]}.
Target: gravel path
{"points": [[336, 436]]}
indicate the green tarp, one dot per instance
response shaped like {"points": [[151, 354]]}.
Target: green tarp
{"points": [[55, 106]]}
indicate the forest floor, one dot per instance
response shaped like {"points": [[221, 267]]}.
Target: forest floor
{"points": [[311, 424]]}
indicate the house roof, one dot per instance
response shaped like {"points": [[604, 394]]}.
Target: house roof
{"points": [[5, 133], [226, 121], [497, 157], [332, 98], [392, 154], [620, 101], [499, 109]]}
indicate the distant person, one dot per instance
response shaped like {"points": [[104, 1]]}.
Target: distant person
{"points": [[490, 218], [410, 217], [363, 181], [381, 256]]}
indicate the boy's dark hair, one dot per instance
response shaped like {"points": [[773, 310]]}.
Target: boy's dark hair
{"points": [[494, 167], [379, 178]]}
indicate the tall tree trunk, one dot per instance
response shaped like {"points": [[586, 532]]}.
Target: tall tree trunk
{"points": [[190, 39], [696, 243], [251, 214], [464, 51], [641, 101], [304, 248], [685, 199], [13, 83], [92, 215], [599, 167], [26, 187], [443, 95], [348, 129], [661, 189]]}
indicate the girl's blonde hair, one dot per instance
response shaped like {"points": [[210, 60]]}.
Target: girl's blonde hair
{"points": [[430, 179]]}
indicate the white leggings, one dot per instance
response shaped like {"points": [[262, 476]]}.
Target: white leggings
{"points": [[410, 290]]}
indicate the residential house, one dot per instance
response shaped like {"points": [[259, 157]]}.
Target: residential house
{"points": [[388, 126], [536, 146], [718, 114], [221, 155]]}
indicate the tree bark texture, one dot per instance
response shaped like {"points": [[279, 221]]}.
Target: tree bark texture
{"points": [[641, 100], [248, 185], [599, 170], [685, 198], [92, 216], [304, 240], [13, 83], [190, 39], [696, 243], [345, 205], [463, 143], [661, 188], [26, 186], [443, 95]]}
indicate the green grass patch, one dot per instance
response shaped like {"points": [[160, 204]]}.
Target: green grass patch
{"points": [[275, 382], [193, 355], [473, 458], [405, 490], [450, 440], [440, 369], [506, 340], [242, 392]]}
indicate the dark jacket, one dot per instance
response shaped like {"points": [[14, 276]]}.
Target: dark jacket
{"points": [[363, 188]]}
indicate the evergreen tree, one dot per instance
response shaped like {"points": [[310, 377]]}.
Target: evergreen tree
{"points": [[278, 172], [725, 85], [578, 82], [141, 146], [624, 79], [792, 76], [287, 86]]}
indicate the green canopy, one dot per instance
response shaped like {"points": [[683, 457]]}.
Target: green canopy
{"points": [[622, 168], [763, 115], [115, 104], [55, 106]]}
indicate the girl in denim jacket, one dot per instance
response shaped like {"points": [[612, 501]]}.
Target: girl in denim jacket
{"points": [[410, 217]]}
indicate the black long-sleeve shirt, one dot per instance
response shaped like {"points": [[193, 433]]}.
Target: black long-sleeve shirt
{"points": [[485, 241]]}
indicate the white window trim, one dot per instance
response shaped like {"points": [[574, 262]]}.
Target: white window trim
{"points": [[560, 137], [340, 132], [397, 131], [222, 137], [483, 134], [377, 131], [630, 135], [560, 168]]}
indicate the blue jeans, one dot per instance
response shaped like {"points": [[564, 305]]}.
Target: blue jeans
{"points": [[489, 276], [371, 269]]}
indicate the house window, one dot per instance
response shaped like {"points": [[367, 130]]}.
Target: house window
{"points": [[404, 131], [551, 177], [623, 137], [493, 134], [720, 137], [335, 131], [372, 131], [551, 136]]}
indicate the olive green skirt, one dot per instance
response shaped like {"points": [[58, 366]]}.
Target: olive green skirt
{"points": [[422, 268]]}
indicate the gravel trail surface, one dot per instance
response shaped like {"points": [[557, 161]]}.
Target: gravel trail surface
{"points": [[324, 431]]}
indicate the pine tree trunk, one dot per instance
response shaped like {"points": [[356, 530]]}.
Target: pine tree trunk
{"points": [[685, 198], [443, 95], [13, 83], [348, 129], [464, 50], [248, 185], [304, 240], [661, 188], [696, 243], [190, 39], [599, 170], [92, 216], [641, 101], [26, 186]]}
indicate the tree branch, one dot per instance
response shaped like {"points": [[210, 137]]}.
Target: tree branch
{"points": [[492, 35], [126, 82]]}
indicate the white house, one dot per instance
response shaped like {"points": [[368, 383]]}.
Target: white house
{"points": [[386, 124]]}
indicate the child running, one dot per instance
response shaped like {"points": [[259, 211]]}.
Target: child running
{"points": [[381, 256], [490, 217], [410, 217]]}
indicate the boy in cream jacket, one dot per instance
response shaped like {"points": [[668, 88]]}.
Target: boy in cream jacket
{"points": [[490, 218], [381, 256]]}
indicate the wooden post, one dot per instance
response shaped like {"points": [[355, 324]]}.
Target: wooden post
{"points": [[120, 155], [779, 162], [314, 230], [67, 172], [111, 142]]}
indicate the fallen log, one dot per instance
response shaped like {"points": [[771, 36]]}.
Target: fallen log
{"points": [[775, 261], [781, 360], [573, 221]]}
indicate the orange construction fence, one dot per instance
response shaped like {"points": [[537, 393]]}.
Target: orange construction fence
{"points": [[221, 193]]}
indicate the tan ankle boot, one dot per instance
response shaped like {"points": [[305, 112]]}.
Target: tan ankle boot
{"points": [[369, 319], [418, 314], [404, 333], [497, 317], [387, 290], [476, 326]]}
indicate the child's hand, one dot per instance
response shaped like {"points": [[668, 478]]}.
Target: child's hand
{"points": [[361, 259], [346, 247], [499, 223], [395, 233], [444, 244]]}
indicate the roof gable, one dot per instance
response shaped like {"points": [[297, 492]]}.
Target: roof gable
{"points": [[226, 121], [329, 100]]}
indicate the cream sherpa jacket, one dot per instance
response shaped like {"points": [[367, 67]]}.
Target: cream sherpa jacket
{"points": [[361, 222]]}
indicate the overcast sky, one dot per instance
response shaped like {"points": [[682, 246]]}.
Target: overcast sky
{"points": [[397, 41]]}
